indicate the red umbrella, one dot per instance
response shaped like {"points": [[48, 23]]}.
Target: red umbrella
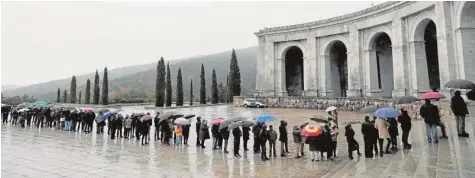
{"points": [[88, 110], [312, 131], [431, 95], [217, 121]]}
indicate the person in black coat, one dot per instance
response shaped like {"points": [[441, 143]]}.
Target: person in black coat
{"points": [[198, 126], [237, 138], [327, 142], [367, 129], [214, 134], [164, 129], [245, 136], [256, 130], [405, 121], [376, 137], [393, 132], [283, 138], [74, 120], [119, 125], [262, 141], [352, 143], [156, 120], [459, 108], [431, 116], [225, 135]]}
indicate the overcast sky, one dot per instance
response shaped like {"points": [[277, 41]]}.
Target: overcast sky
{"points": [[43, 41]]}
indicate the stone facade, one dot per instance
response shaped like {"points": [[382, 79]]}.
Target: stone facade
{"points": [[399, 69]]}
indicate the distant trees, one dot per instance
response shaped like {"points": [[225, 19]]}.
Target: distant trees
{"points": [[228, 90], [160, 84], [214, 88], [65, 96], [234, 76], [58, 96], [95, 98], [72, 91], [87, 96], [179, 89], [15, 100], [202, 85], [168, 101], [191, 92], [105, 88], [222, 93]]}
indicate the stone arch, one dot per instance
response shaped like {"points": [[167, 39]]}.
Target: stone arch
{"points": [[335, 55], [325, 49], [374, 33], [380, 63], [285, 47], [293, 61], [419, 24], [465, 38]]}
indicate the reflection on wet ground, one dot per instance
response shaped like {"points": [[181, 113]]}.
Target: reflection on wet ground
{"points": [[30, 152]]}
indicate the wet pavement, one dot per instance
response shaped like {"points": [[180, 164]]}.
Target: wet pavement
{"points": [[32, 152]]}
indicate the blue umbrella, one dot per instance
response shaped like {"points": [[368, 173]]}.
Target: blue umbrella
{"points": [[386, 112], [109, 114], [265, 118]]}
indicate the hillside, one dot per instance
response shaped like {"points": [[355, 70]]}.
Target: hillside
{"points": [[141, 78]]}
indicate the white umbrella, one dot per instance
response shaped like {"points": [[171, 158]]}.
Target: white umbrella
{"points": [[182, 121], [24, 109], [331, 108]]}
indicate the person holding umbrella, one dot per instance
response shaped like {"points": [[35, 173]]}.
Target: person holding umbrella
{"points": [[405, 121], [430, 113], [352, 143], [225, 136], [256, 130], [197, 127], [296, 133], [100, 122], [283, 138], [237, 139], [263, 139], [112, 124], [368, 136], [383, 133], [459, 108], [215, 133], [204, 133], [245, 136], [272, 137], [178, 135], [120, 121], [156, 122], [128, 126]]}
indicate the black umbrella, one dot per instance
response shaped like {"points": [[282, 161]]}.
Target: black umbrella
{"points": [[189, 116], [460, 84], [318, 120], [226, 123], [471, 95], [164, 117], [239, 118], [406, 100], [177, 115], [235, 125], [368, 109]]}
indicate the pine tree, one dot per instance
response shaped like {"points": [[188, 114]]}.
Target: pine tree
{"points": [[228, 90], [168, 101], [202, 85], [160, 84], [191, 92], [223, 97], [58, 96], [179, 89], [79, 98], [96, 95], [72, 91], [214, 89], [105, 88], [87, 97], [65, 96], [234, 76]]}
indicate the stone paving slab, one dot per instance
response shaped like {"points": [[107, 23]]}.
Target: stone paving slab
{"points": [[32, 152]]}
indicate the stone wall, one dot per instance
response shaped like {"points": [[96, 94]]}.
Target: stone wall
{"points": [[343, 104]]}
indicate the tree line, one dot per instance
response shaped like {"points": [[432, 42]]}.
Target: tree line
{"points": [[220, 93]]}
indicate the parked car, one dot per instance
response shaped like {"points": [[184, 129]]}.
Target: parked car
{"points": [[251, 103]]}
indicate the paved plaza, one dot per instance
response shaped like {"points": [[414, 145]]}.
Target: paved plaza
{"points": [[32, 152]]}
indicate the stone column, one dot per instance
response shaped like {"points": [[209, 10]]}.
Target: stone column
{"points": [[353, 56], [310, 69], [325, 76], [266, 68], [447, 64], [280, 85], [465, 39], [399, 63], [420, 76], [371, 74]]}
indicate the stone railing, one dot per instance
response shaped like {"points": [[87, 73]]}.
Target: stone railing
{"points": [[343, 104]]}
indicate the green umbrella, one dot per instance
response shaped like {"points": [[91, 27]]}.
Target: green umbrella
{"points": [[41, 103]]}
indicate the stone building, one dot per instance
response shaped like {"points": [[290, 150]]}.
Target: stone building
{"points": [[389, 50]]}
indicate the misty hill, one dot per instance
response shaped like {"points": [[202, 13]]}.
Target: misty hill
{"points": [[140, 79]]}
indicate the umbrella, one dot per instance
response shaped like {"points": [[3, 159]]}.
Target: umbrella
{"points": [[146, 117], [140, 114], [189, 116], [217, 121], [331, 108], [88, 110], [164, 117], [471, 95], [24, 109], [431, 95], [235, 125], [70, 108], [406, 100], [369, 109], [239, 118], [45, 103], [319, 120], [386, 113], [104, 110], [248, 123], [177, 115], [108, 114], [226, 123], [182, 121], [312, 130], [351, 122], [460, 84], [265, 118]]}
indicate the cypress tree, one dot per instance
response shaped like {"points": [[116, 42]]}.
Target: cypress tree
{"points": [[79, 98], [228, 90], [58, 96], [160, 85], [222, 93], [105, 88], [65, 96], [202, 85], [168, 93], [191, 92], [87, 97], [95, 98], [234, 76], [72, 91], [179, 89], [214, 89]]}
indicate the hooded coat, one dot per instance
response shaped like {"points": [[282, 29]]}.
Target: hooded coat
{"points": [[430, 113], [204, 132]]}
